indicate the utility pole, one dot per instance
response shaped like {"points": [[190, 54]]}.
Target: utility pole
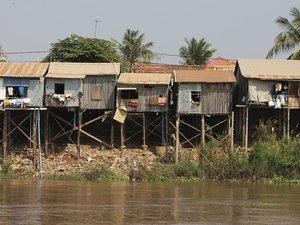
{"points": [[96, 24]]}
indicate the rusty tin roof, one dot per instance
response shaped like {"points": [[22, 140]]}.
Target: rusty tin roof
{"points": [[8, 69], [204, 76]]}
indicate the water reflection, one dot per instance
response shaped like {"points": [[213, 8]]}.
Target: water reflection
{"points": [[62, 202]]}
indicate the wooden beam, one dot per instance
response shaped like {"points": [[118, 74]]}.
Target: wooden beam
{"points": [[167, 129], [177, 138], [79, 133], [122, 139], [288, 123], [202, 131], [46, 130], [95, 138], [112, 132], [17, 126], [246, 127], [34, 137], [232, 131], [144, 131], [4, 135]]}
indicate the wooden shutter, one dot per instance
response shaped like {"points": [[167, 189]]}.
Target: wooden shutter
{"points": [[96, 93]]}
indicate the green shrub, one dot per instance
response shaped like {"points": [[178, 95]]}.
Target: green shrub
{"points": [[187, 169], [6, 166], [101, 172]]}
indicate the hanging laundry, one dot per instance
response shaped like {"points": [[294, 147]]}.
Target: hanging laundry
{"points": [[21, 91], [10, 91], [278, 87]]}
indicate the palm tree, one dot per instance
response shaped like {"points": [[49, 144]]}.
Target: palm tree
{"points": [[133, 49], [289, 38], [196, 52]]}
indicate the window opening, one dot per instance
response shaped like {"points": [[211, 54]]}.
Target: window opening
{"points": [[195, 96], [129, 94], [59, 88]]}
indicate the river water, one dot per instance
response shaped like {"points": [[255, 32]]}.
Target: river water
{"points": [[74, 202]]}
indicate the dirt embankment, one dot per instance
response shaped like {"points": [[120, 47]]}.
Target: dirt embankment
{"points": [[62, 160]]}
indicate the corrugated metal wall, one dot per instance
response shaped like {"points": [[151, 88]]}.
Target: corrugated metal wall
{"points": [[215, 98], [35, 91], [144, 95], [72, 87], [103, 100]]}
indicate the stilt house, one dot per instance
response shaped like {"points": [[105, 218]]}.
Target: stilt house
{"points": [[204, 92], [262, 86], [201, 93], [22, 84], [144, 92], [84, 85]]}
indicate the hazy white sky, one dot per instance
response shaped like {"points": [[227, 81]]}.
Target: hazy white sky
{"points": [[236, 28]]}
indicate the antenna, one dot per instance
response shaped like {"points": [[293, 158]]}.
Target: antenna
{"points": [[96, 24]]}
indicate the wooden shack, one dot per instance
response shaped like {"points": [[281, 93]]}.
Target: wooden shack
{"points": [[144, 92], [266, 90], [85, 91], [84, 85], [21, 97], [144, 95], [202, 93], [22, 84]]}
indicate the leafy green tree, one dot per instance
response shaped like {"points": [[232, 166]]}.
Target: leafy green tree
{"points": [[82, 49], [196, 52], [134, 49], [289, 38]]}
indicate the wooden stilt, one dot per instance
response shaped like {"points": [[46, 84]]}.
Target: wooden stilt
{"points": [[279, 119], [112, 133], [288, 123], [4, 135], [177, 139], [46, 129], [9, 137], [122, 139], [202, 131], [79, 132], [167, 129], [246, 127], [144, 132], [232, 131], [284, 119], [34, 137]]}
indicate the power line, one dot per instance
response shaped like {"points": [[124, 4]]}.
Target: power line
{"points": [[47, 51], [25, 52]]}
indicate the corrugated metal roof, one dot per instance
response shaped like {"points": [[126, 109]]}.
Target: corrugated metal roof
{"points": [[270, 69], [80, 70], [204, 76], [8, 69], [144, 78], [163, 68]]}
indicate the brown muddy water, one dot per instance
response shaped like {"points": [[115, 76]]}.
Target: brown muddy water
{"points": [[73, 202]]}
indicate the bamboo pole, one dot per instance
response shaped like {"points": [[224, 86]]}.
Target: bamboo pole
{"points": [[79, 132], [4, 135], [232, 131], [144, 131], [34, 137], [112, 133], [122, 139], [247, 127], [177, 138], [202, 131], [46, 130], [288, 122]]}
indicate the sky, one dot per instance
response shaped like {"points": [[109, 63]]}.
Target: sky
{"points": [[238, 29]]}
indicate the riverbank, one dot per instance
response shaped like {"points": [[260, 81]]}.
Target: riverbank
{"points": [[269, 160]]}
